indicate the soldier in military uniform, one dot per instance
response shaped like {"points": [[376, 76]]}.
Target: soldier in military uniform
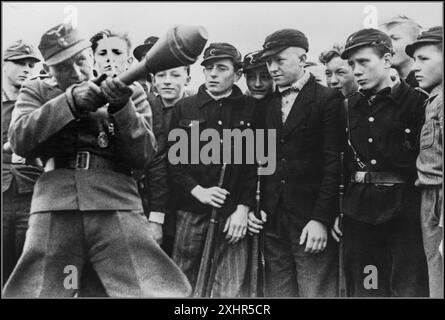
{"points": [[86, 206], [219, 104], [18, 174], [381, 228]]}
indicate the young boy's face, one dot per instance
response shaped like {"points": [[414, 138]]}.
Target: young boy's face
{"points": [[339, 76], [369, 69], [428, 65], [259, 82], [112, 56], [220, 76], [170, 83]]}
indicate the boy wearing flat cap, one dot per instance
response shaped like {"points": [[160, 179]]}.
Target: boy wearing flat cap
{"points": [[381, 228], [301, 196], [86, 207], [258, 80], [427, 53], [219, 105], [18, 174]]}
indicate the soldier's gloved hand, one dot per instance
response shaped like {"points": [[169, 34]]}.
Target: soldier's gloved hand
{"points": [[87, 97], [116, 92]]}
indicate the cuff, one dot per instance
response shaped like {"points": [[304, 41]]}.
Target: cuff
{"points": [[157, 217]]}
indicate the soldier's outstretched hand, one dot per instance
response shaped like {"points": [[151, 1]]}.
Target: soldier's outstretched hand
{"points": [[116, 92], [87, 97]]}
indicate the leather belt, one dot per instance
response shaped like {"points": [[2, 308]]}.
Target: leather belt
{"points": [[85, 160], [376, 177]]}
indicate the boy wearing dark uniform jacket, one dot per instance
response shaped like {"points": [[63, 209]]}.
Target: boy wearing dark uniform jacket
{"points": [[383, 245], [219, 105]]}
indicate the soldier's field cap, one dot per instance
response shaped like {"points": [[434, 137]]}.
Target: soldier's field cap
{"points": [[366, 38], [430, 36], [20, 50], [61, 43], [251, 61], [281, 40], [221, 50], [140, 51]]}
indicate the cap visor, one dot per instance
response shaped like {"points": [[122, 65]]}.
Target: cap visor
{"points": [[68, 52], [270, 52], [345, 54], [222, 56], [409, 49], [24, 56]]}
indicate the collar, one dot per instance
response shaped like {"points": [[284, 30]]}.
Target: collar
{"points": [[203, 96], [5, 96], [297, 85], [220, 97], [394, 93], [435, 92]]}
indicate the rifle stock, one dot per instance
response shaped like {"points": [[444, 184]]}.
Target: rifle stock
{"points": [[206, 272]]}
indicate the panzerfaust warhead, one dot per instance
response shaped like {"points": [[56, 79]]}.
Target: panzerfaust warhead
{"points": [[180, 46]]}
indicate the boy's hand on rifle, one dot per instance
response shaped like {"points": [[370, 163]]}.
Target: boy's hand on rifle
{"points": [[335, 231], [254, 224], [315, 235], [236, 225], [213, 196]]}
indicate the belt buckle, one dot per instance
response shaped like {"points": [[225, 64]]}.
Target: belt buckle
{"points": [[83, 160], [360, 176]]}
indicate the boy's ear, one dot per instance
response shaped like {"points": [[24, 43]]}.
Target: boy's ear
{"points": [[388, 60], [187, 81]]}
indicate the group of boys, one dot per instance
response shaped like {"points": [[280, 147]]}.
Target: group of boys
{"points": [[89, 207]]}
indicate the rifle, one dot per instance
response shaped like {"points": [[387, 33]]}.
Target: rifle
{"points": [[207, 267], [341, 271], [257, 278]]}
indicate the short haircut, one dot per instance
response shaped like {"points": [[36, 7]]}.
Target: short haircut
{"points": [[106, 33], [413, 26], [327, 56]]}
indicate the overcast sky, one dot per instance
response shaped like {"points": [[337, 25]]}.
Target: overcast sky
{"points": [[243, 24]]}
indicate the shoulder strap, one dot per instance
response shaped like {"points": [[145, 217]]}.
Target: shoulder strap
{"points": [[351, 146]]}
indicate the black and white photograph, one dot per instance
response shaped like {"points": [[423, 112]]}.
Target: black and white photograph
{"points": [[189, 150]]}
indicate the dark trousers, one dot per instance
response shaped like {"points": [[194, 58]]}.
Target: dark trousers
{"points": [[15, 216], [392, 251], [117, 245], [231, 260], [290, 272]]}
